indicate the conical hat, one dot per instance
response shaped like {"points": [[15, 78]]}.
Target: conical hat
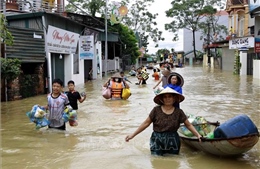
{"points": [[158, 98], [116, 75], [166, 72], [180, 81]]}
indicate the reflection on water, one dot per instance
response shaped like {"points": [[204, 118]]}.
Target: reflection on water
{"points": [[98, 140]]}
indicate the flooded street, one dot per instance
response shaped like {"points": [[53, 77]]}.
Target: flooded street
{"points": [[98, 141]]}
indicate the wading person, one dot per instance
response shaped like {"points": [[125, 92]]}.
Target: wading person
{"points": [[57, 101], [175, 81], [116, 83], [166, 121], [74, 96]]}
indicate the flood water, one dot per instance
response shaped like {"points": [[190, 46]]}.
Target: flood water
{"points": [[98, 141]]}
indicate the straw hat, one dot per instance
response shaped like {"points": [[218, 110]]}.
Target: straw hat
{"points": [[166, 72], [180, 81], [116, 75], [158, 98]]}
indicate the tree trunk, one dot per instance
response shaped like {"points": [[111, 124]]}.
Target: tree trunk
{"points": [[194, 45]]}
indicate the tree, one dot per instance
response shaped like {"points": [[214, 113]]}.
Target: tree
{"points": [[91, 7], [127, 38], [216, 30], [161, 52], [10, 68], [212, 30], [5, 36], [142, 21], [139, 19], [188, 14]]}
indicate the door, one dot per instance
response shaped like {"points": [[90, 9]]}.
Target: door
{"points": [[87, 68], [57, 66], [250, 57]]}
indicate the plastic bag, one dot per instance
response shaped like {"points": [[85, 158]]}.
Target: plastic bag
{"points": [[106, 92], [158, 90], [200, 124], [126, 93], [38, 116], [70, 115]]}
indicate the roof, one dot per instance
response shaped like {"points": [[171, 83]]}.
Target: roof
{"points": [[221, 13], [17, 16], [87, 20]]}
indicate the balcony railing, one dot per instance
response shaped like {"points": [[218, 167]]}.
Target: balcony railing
{"points": [[34, 6]]}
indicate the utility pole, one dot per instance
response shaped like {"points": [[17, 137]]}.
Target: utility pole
{"points": [[106, 40], [208, 42], [4, 11]]}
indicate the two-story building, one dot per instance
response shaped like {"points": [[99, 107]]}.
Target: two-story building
{"points": [[51, 44], [254, 9], [241, 37]]}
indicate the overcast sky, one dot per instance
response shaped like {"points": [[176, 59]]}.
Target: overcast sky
{"points": [[160, 6]]}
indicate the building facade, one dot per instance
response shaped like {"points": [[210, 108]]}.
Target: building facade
{"points": [[222, 17], [241, 37], [51, 43]]}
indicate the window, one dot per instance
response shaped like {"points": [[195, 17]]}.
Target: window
{"points": [[75, 64], [241, 26]]}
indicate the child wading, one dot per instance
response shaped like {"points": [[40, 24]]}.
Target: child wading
{"points": [[56, 104]]}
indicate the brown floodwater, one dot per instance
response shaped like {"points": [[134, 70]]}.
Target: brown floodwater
{"points": [[98, 141]]}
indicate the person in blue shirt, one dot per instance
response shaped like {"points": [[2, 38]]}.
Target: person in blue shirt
{"points": [[175, 81]]}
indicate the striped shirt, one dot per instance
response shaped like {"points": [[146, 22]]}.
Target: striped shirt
{"points": [[56, 107]]}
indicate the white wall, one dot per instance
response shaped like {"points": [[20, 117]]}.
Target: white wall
{"points": [[188, 37], [256, 69], [68, 72], [243, 61], [99, 57], [228, 56]]}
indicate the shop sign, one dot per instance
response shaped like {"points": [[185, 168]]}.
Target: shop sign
{"points": [[237, 43], [61, 41]]}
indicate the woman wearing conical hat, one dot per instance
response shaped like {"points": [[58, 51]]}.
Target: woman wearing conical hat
{"points": [[166, 121], [175, 81]]}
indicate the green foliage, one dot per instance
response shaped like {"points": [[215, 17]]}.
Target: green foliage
{"points": [[5, 36], [237, 64], [188, 14], [127, 37], [10, 68], [139, 18], [28, 84], [91, 7], [210, 26], [219, 53], [161, 52]]}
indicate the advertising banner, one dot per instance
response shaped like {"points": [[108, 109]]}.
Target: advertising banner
{"points": [[61, 41], [86, 47]]}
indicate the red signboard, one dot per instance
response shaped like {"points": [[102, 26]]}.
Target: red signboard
{"points": [[257, 47]]}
